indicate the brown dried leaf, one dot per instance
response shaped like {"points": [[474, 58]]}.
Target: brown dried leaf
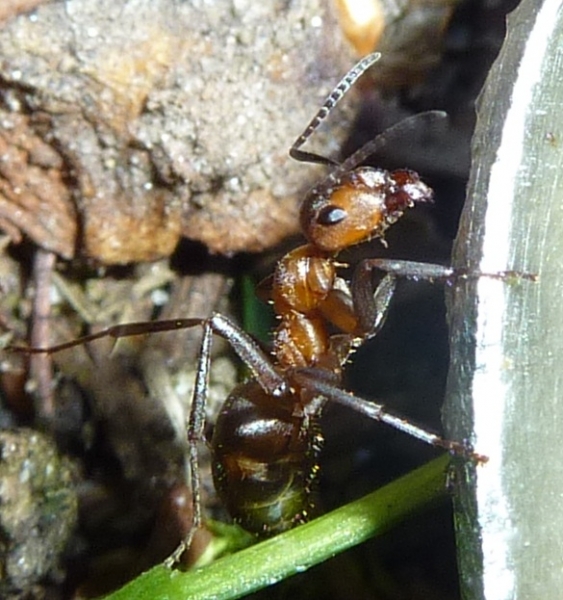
{"points": [[173, 118], [34, 197]]}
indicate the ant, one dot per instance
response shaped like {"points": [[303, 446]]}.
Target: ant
{"points": [[266, 442]]}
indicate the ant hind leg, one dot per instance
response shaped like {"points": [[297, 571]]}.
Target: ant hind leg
{"points": [[195, 429], [311, 379]]}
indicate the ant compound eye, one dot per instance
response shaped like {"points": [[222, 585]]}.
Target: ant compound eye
{"points": [[331, 215]]}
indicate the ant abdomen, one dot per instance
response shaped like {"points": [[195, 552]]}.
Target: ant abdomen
{"points": [[265, 461]]}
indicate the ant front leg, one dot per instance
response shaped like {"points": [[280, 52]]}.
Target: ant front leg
{"points": [[370, 306], [430, 271], [409, 269]]}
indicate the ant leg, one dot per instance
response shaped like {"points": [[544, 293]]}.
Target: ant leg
{"points": [[403, 268], [244, 346], [248, 351], [195, 427], [359, 310], [312, 380], [371, 306], [433, 272], [251, 355], [115, 332]]}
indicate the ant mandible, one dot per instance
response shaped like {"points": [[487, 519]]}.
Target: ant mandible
{"points": [[266, 442]]}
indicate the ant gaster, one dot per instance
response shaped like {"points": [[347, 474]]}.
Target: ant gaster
{"points": [[266, 441]]}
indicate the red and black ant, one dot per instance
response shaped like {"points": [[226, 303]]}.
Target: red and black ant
{"points": [[266, 442]]}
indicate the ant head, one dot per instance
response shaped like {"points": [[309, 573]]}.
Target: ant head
{"points": [[359, 205]]}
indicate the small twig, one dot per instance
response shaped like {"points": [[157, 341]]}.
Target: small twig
{"points": [[41, 364]]}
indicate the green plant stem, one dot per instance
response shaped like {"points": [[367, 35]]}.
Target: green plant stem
{"points": [[299, 549]]}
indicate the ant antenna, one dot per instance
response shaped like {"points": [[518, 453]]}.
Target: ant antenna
{"points": [[395, 131], [333, 99]]}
